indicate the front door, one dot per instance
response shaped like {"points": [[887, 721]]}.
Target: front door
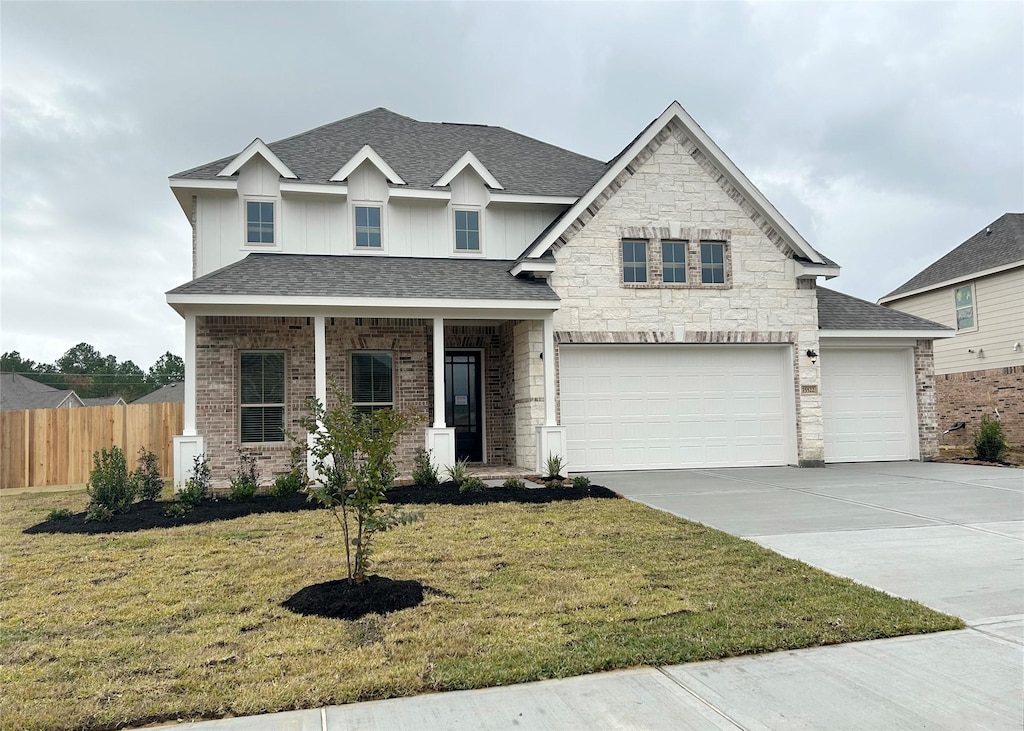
{"points": [[462, 408]]}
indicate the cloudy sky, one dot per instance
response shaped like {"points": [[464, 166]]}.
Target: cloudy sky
{"points": [[886, 133]]}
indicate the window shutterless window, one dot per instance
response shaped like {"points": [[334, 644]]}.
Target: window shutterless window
{"points": [[261, 397], [634, 261], [259, 222], [712, 262], [673, 261], [372, 382], [467, 230], [368, 227], [964, 299]]}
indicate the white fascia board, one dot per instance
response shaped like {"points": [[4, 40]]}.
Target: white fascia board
{"points": [[318, 188], [377, 304], [194, 184], [951, 282], [713, 152], [469, 160], [887, 334], [329, 307], [533, 265], [257, 147], [421, 193], [554, 200], [809, 271], [368, 153]]}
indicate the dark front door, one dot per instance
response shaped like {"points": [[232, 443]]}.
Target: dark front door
{"points": [[462, 403]]}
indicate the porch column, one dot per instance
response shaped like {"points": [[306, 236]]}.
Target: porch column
{"points": [[440, 438], [550, 437], [320, 358], [188, 445]]}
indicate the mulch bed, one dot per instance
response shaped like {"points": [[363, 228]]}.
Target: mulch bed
{"points": [[971, 460], [343, 599], [152, 514]]}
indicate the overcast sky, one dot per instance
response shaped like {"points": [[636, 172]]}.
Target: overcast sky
{"points": [[886, 133]]}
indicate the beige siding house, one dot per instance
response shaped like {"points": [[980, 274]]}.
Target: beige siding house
{"points": [[977, 289], [649, 311]]}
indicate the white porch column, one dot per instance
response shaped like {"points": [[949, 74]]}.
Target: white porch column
{"points": [[550, 437], [440, 438], [189, 444], [320, 358]]}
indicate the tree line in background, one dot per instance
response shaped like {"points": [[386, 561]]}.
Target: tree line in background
{"points": [[91, 374]]}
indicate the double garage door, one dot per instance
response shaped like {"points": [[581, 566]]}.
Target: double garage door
{"points": [[673, 406]]}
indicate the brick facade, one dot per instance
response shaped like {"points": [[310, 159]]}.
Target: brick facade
{"points": [[966, 396], [924, 389]]}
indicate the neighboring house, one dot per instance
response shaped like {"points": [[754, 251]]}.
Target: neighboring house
{"points": [[169, 394], [104, 401], [18, 392], [654, 311], [978, 289]]}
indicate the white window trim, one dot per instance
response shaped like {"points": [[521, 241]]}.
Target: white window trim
{"points": [[246, 246], [283, 404], [383, 206], [974, 308], [351, 374], [451, 230]]}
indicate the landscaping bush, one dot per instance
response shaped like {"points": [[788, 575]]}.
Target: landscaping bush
{"points": [[554, 465], [292, 481], [109, 484], [990, 441], [246, 479], [580, 482], [514, 483], [98, 513], [59, 514], [146, 476], [424, 473], [458, 472], [472, 484], [197, 487]]}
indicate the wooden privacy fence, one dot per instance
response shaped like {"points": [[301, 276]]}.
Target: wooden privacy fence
{"points": [[55, 446]]}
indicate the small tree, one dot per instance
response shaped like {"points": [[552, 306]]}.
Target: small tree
{"points": [[353, 455], [146, 477], [109, 484], [990, 441]]}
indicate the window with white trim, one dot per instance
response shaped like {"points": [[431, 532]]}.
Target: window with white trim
{"points": [[368, 227], [467, 230], [963, 298], [372, 381], [259, 223], [673, 262], [634, 261], [261, 397], [712, 262]]}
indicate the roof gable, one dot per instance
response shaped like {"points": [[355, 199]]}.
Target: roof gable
{"points": [[367, 154], [1000, 245], [256, 147], [469, 160], [19, 392]]}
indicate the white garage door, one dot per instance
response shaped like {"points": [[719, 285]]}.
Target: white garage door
{"points": [[867, 401], [666, 406]]}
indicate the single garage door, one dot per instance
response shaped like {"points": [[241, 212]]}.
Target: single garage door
{"points": [[627, 407], [868, 406]]}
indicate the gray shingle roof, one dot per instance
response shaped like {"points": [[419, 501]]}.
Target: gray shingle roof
{"points": [[171, 393], [996, 245], [838, 311], [18, 392], [421, 152], [311, 275]]}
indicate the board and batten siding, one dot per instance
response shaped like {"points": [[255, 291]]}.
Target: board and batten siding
{"points": [[998, 312], [312, 223]]}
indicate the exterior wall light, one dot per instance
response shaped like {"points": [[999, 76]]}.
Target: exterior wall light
{"points": [[813, 355]]}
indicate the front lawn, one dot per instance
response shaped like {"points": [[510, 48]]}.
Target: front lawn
{"points": [[99, 631]]}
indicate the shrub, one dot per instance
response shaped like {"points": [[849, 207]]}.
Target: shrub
{"points": [[197, 487], [177, 510], [109, 484], [458, 472], [424, 473], [990, 441], [146, 476], [472, 484], [98, 513], [514, 483], [580, 482], [246, 479], [554, 465], [59, 514], [292, 481]]}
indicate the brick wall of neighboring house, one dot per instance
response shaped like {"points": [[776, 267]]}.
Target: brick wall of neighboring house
{"points": [[675, 193], [966, 396]]}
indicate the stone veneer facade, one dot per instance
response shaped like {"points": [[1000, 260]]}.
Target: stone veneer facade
{"points": [[671, 191]]}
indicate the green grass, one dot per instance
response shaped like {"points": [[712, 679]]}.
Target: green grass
{"points": [[186, 623]]}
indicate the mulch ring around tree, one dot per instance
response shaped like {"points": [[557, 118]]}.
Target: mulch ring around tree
{"points": [[344, 599], [447, 493]]}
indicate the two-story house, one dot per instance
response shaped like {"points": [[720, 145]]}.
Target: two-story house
{"points": [[977, 289], [652, 311]]}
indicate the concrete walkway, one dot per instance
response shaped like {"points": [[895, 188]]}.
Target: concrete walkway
{"points": [[950, 536]]}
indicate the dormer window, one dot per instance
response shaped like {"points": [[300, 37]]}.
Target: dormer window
{"points": [[368, 228], [467, 230], [259, 223]]}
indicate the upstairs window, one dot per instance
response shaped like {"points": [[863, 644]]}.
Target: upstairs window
{"points": [[964, 299], [673, 261], [368, 227], [372, 382], [634, 261], [712, 262], [467, 230], [259, 222], [261, 397]]}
